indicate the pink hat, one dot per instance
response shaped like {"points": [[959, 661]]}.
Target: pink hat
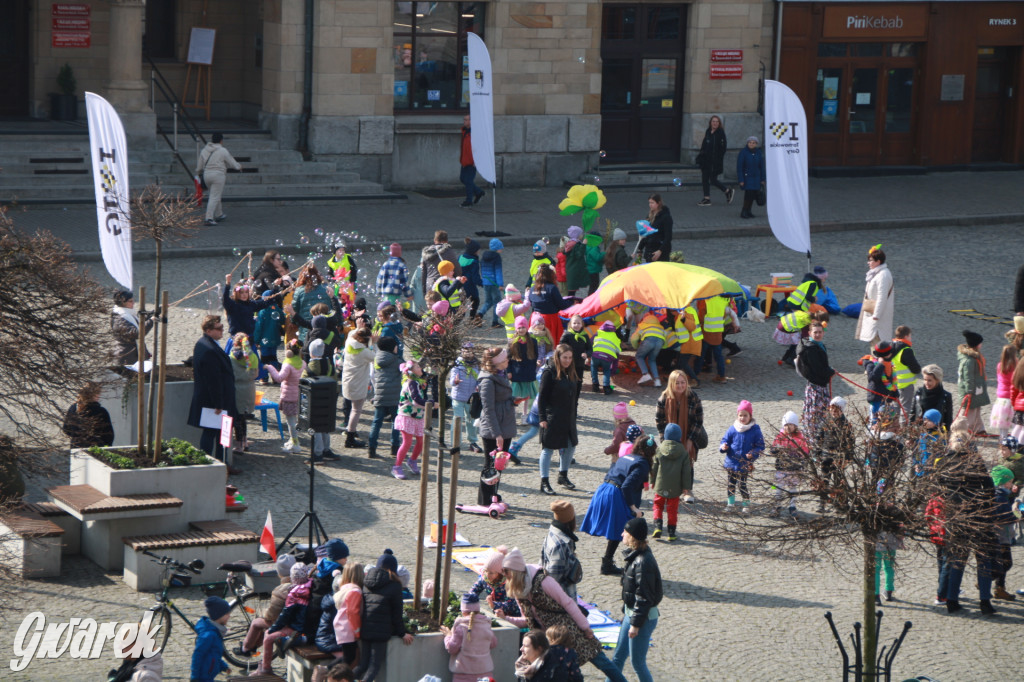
{"points": [[620, 411], [745, 406], [514, 560], [395, 250], [441, 308], [512, 293], [521, 324], [495, 558], [536, 319]]}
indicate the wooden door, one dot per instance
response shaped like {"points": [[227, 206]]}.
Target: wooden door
{"points": [[992, 101], [14, 62]]}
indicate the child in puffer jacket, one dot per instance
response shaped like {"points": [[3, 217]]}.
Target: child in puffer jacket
{"points": [[288, 376], [790, 449], [469, 642], [382, 615], [742, 444], [348, 603], [292, 618], [463, 382], [620, 413], [492, 581], [278, 596]]}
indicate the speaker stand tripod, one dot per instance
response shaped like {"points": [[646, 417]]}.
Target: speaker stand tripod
{"points": [[317, 534]]}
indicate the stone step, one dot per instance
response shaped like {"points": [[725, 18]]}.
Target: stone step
{"points": [[641, 176], [175, 175], [74, 193]]}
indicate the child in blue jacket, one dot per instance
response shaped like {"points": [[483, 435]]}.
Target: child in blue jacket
{"points": [[742, 444], [493, 279], [207, 657], [267, 336]]}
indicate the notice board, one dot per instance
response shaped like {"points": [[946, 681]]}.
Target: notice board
{"points": [[200, 45]]}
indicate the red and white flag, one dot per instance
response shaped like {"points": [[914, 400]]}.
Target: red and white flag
{"points": [[267, 544]]}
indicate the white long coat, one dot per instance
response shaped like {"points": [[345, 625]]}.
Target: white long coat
{"points": [[355, 379], [880, 290]]}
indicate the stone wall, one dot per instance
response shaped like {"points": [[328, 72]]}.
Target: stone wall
{"points": [[89, 63]]}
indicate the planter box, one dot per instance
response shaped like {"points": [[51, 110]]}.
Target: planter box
{"points": [[427, 655], [125, 419], [200, 488]]}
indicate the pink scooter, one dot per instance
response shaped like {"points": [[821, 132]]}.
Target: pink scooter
{"points": [[494, 510]]}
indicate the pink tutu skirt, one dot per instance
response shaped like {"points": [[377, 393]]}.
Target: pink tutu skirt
{"points": [[786, 338], [1001, 418], [407, 424]]}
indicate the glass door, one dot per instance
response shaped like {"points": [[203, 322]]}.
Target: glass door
{"points": [[862, 148], [829, 117]]}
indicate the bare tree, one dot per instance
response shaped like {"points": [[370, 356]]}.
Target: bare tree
{"points": [[873, 486]]}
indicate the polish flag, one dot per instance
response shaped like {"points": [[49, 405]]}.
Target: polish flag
{"points": [[267, 544]]}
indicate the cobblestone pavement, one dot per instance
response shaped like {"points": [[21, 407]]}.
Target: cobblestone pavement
{"points": [[726, 614]]}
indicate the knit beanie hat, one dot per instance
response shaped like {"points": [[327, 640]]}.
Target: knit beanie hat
{"points": [[521, 324], [387, 561], [495, 245], [563, 511], [1018, 324], [387, 343], [216, 607], [360, 303], [934, 370], [316, 349], [514, 560], [620, 411], [512, 293], [267, 294], [673, 432], [445, 268], [633, 432], [318, 322], [791, 417], [575, 233], [540, 246], [618, 234], [973, 339], [403, 575], [607, 326], [441, 308], [882, 350], [300, 573], [820, 272], [934, 416], [284, 565], [334, 549], [637, 527], [472, 247], [839, 401], [395, 250], [754, 138], [535, 319], [495, 558], [1010, 442], [1001, 475], [745, 406]]}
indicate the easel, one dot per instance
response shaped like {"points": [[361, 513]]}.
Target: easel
{"points": [[201, 99], [200, 61]]}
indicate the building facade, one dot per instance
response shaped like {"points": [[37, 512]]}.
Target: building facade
{"points": [[380, 86]]}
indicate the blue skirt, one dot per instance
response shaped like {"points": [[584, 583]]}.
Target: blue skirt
{"points": [[607, 514]]}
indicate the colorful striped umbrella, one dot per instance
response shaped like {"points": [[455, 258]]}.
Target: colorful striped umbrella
{"points": [[656, 285]]}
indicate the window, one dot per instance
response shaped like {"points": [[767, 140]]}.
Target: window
{"points": [[431, 64], [158, 32]]}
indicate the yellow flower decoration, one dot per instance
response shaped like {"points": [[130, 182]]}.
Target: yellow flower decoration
{"points": [[585, 198]]}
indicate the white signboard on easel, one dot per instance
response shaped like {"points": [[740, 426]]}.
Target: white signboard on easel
{"points": [[200, 46]]}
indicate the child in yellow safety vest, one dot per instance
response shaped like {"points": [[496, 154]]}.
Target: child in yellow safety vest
{"points": [[905, 369], [648, 339], [510, 308], [605, 358], [792, 327]]}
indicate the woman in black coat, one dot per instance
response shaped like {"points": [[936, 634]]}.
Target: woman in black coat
{"points": [[658, 245], [641, 593], [382, 615], [711, 160], [556, 403], [87, 423], [812, 365]]}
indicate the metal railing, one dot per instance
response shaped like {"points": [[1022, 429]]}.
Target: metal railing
{"points": [[157, 83]]}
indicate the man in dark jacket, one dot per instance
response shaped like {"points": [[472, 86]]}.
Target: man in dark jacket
{"points": [[431, 257], [213, 386], [387, 388]]}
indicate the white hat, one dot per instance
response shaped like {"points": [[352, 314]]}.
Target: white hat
{"points": [[839, 401], [316, 349], [791, 417]]}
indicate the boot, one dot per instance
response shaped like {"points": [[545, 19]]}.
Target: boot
{"points": [[657, 529], [596, 387], [563, 480], [372, 453], [545, 487], [1001, 593], [671, 534], [608, 567], [878, 600], [953, 605], [352, 442], [888, 596], [986, 607], [608, 389]]}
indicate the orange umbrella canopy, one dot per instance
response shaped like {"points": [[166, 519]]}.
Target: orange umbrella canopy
{"points": [[656, 285]]}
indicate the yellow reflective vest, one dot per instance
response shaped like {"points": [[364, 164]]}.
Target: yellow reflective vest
{"points": [[456, 298], [650, 326], [795, 321], [799, 297], [900, 372], [714, 318], [607, 343]]}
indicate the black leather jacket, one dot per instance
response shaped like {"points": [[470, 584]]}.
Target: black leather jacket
{"points": [[641, 584]]}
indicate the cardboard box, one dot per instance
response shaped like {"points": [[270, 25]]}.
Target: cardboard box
{"points": [[444, 536]]}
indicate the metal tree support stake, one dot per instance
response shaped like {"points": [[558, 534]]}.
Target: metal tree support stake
{"points": [[883, 666], [142, 374], [453, 486]]}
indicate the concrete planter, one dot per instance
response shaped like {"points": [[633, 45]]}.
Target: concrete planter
{"points": [[124, 413], [427, 654], [199, 487]]}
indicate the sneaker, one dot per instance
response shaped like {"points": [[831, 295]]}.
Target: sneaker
{"points": [[704, 202], [889, 596], [466, 204], [241, 651], [209, 223], [475, 448], [734, 353], [745, 508], [221, 218], [331, 455], [729, 194], [719, 380], [496, 325], [671, 537], [289, 445], [644, 378], [596, 387], [397, 472], [688, 499], [730, 506], [413, 466], [656, 533], [478, 197], [939, 601], [608, 390], [657, 383]]}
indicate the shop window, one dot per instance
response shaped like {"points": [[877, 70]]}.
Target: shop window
{"points": [[619, 23], [158, 31], [902, 49], [431, 64], [663, 23], [831, 49], [899, 100], [866, 49], [826, 103]]}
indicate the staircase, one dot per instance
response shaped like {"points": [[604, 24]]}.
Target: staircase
{"points": [[631, 176], [55, 169]]}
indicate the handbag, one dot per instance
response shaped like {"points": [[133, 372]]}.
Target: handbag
{"points": [[202, 179], [762, 197], [476, 406]]}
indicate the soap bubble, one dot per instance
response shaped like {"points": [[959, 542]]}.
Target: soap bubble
{"points": [[596, 179], [677, 182], [319, 232], [279, 242], [237, 251], [304, 239], [581, 60], [602, 153]]}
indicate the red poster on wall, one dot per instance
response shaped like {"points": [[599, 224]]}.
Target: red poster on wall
{"points": [[71, 25], [725, 71], [70, 9], [727, 55]]}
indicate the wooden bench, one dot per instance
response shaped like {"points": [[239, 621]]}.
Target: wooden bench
{"points": [[301, 661], [87, 503], [71, 542], [215, 542], [32, 542]]}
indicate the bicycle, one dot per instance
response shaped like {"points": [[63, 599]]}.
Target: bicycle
{"points": [[245, 602]]}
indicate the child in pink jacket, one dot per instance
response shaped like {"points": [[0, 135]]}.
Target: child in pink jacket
{"points": [[288, 376], [348, 598], [469, 642]]}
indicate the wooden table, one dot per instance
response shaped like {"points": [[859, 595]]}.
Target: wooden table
{"points": [[770, 290]]}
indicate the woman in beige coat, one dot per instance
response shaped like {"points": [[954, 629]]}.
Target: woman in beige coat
{"points": [[214, 162], [876, 313]]}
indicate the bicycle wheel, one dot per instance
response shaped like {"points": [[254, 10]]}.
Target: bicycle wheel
{"points": [[243, 612], [162, 618]]}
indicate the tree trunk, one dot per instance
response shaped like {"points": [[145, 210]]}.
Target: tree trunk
{"points": [[141, 426], [869, 647]]}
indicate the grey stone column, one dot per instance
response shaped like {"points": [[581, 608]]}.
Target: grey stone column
{"points": [[126, 89]]}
